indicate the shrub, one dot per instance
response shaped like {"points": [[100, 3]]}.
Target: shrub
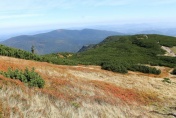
{"points": [[30, 77], [114, 67], [144, 69], [167, 80], [174, 71]]}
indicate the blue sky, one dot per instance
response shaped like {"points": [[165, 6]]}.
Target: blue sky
{"points": [[30, 14]]}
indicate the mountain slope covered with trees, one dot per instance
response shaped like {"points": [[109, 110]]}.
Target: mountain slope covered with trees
{"points": [[115, 53], [58, 40], [122, 53]]}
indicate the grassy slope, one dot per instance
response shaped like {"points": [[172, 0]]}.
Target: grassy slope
{"points": [[86, 91]]}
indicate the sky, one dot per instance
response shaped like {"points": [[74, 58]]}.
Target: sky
{"points": [[42, 14]]}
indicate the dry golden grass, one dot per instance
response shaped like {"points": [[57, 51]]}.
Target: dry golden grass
{"points": [[169, 51], [86, 92], [1, 109], [174, 49]]}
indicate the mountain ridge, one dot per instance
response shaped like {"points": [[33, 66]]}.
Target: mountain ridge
{"points": [[61, 40]]}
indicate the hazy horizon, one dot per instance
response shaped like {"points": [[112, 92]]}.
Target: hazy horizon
{"points": [[36, 15]]}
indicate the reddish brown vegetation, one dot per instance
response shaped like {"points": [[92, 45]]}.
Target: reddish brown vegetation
{"points": [[57, 89], [7, 81], [63, 87], [87, 88], [121, 93], [127, 95]]}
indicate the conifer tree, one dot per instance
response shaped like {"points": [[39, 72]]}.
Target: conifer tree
{"points": [[32, 49]]}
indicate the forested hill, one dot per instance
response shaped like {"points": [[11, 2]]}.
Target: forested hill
{"points": [[115, 53], [59, 40], [122, 53]]}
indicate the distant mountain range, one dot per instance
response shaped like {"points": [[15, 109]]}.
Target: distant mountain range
{"points": [[140, 29], [58, 40]]}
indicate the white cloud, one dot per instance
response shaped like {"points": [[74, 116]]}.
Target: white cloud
{"points": [[47, 4], [51, 10], [164, 1], [107, 2], [33, 4], [4, 17], [126, 2], [154, 2], [7, 5]]}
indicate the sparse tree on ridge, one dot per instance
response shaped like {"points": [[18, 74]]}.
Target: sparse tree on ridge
{"points": [[32, 49]]}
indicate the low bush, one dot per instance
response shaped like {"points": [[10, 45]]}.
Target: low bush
{"points": [[114, 67], [144, 69], [167, 80], [174, 71], [30, 77]]}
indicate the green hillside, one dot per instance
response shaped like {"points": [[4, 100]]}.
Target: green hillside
{"points": [[22, 54], [17, 53], [115, 53], [123, 52]]}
